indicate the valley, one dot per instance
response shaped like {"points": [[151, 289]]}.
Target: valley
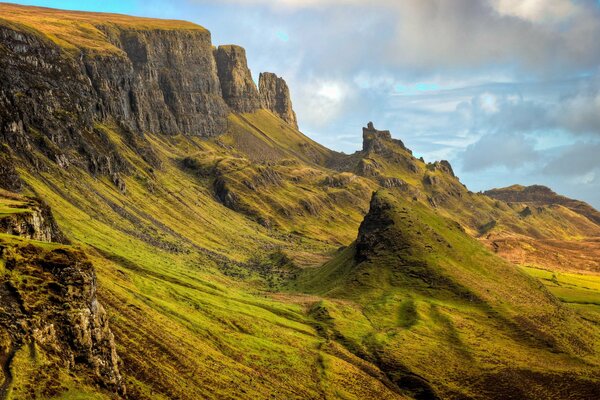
{"points": [[169, 233]]}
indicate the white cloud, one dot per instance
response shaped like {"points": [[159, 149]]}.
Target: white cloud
{"points": [[537, 10]]}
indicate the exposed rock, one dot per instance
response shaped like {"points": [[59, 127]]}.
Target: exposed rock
{"points": [[48, 301], [443, 166], [225, 195], [339, 180], [376, 141], [166, 83], [391, 182], [431, 180], [275, 96], [368, 167], [9, 178], [238, 89], [370, 235], [35, 222], [161, 81]]}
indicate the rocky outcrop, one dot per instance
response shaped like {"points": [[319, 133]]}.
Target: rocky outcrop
{"points": [[542, 195], [9, 177], [48, 302], [376, 141], [55, 101], [33, 221], [371, 237], [443, 166], [238, 89], [160, 81], [275, 97]]}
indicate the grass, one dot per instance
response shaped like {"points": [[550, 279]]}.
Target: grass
{"points": [[164, 258], [75, 30], [174, 261], [569, 287], [435, 302]]}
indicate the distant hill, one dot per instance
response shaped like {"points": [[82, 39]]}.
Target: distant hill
{"points": [[537, 194]]}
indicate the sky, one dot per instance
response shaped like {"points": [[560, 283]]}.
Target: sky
{"points": [[507, 90]]}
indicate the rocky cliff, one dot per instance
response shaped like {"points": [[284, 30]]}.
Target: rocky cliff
{"points": [[34, 220], [56, 90], [48, 305], [375, 140], [275, 96], [237, 86]]}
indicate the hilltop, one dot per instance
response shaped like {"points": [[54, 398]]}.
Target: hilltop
{"points": [[542, 195], [168, 232]]}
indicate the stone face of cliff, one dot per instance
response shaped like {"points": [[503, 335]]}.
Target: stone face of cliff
{"points": [[36, 222], [375, 140], [165, 81], [162, 81], [238, 89], [275, 96], [51, 101], [48, 302]]}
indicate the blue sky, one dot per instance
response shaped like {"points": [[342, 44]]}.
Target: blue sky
{"points": [[507, 90]]}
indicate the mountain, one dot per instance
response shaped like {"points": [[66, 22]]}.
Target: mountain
{"points": [[541, 195], [442, 317], [168, 232]]}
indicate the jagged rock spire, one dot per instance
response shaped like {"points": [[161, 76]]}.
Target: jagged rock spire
{"points": [[275, 96]]}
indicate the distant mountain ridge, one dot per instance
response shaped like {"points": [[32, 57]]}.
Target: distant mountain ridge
{"points": [[538, 194]]}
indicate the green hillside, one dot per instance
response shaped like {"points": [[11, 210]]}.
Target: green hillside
{"points": [[145, 257]]}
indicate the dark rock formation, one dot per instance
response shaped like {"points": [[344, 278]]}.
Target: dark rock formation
{"points": [[160, 81], [541, 195], [237, 86], [389, 183], [48, 301], [9, 178], [275, 97], [164, 82], [370, 234], [376, 141], [35, 222], [443, 166]]}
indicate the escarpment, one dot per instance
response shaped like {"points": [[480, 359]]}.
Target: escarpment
{"points": [[275, 97], [237, 86], [55, 94], [48, 305], [32, 219]]}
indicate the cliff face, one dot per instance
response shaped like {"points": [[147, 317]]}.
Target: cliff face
{"points": [[375, 140], [48, 302], [237, 86], [141, 79], [165, 81], [35, 222], [275, 96]]}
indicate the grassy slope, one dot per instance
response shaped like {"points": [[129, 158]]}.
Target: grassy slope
{"points": [[189, 319], [171, 261], [174, 262], [435, 302], [74, 30]]}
